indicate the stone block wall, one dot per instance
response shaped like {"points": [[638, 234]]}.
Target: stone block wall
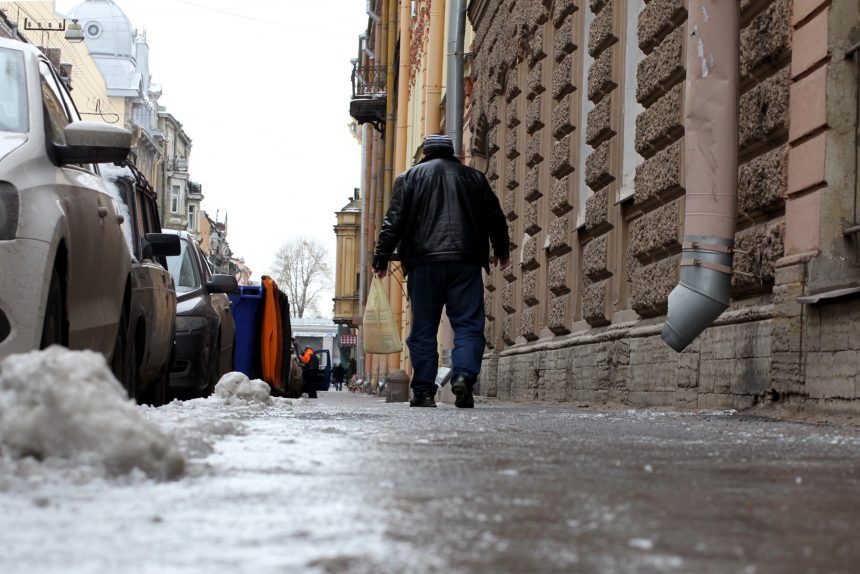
{"points": [[656, 215], [578, 316]]}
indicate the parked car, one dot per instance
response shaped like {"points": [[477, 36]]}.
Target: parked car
{"points": [[205, 330], [152, 315], [66, 270]]}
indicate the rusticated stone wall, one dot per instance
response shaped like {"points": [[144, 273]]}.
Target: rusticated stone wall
{"points": [[578, 316], [527, 101]]}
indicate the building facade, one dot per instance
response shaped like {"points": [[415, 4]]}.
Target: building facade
{"points": [[122, 55], [580, 118], [180, 208], [582, 115], [348, 258], [160, 147]]}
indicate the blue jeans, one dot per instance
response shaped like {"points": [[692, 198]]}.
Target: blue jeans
{"points": [[459, 287]]}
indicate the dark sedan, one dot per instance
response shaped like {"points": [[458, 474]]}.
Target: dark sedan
{"points": [[205, 330]]}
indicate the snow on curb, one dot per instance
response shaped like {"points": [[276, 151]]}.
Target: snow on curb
{"points": [[237, 385], [66, 406]]}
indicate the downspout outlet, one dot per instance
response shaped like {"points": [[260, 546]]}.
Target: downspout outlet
{"points": [[692, 309]]}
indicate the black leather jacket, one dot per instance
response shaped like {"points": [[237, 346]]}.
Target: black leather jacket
{"points": [[442, 210]]}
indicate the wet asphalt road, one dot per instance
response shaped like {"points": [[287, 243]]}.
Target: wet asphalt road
{"points": [[349, 484], [536, 488]]}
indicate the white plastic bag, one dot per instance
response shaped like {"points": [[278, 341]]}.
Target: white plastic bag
{"points": [[381, 335]]}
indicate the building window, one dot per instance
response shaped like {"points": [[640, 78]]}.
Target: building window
{"points": [[174, 199], [632, 57], [94, 30], [192, 218], [583, 192]]}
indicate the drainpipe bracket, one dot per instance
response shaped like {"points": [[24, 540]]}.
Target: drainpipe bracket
{"points": [[706, 265]]}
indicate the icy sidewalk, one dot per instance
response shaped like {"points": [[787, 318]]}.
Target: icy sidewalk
{"points": [[350, 484]]}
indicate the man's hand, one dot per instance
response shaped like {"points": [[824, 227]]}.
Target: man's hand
{"points": [[381, 273], [502, 263]]}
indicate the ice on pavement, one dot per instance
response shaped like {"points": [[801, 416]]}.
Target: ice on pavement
{"points": [[66, 409], [238, 386]]}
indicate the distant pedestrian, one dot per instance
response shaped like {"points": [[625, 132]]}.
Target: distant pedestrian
{"points": [[338, 373], [442, 218]]}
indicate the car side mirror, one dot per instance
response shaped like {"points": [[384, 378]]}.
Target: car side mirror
{"points": [[223, 284], [94, 142], [160, 244]]}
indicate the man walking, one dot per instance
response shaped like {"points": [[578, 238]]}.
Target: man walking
{"points": [[337, 373], [442, 218]]}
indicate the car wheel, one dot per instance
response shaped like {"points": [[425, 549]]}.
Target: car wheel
{"points": [[159, 390], [296, 383], [156, 394], [54, 330], [124, 361]]}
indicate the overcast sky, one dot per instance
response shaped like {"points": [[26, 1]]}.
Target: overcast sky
{"points": [[262, 87]]}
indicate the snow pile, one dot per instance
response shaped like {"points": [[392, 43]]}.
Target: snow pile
{"points": [[238, 386], [66, 406]]}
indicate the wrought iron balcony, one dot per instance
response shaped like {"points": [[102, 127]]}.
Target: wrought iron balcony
{"points": [[369, 95], [368, 80]]}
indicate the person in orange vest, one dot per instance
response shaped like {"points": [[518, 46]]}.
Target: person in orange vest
{"points": [[306, 356], [310, 368]]}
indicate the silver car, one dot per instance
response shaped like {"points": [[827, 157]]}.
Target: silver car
{"points": [[64, 265]]}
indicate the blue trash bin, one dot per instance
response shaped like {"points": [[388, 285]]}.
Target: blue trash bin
{"points": [[246, 305]]}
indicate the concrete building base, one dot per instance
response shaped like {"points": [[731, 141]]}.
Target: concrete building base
{"points": [[752, 356]]}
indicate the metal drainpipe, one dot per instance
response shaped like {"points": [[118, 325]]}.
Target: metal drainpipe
{"points": [[362, 266], [435, 50], [711, 152], [455, 96], [402, 134], [393, 360]]}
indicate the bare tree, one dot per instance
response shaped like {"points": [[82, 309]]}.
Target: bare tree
{"points": [[302, 271]]}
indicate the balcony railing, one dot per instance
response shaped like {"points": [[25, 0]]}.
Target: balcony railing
{"points": [[369, 95], [368, 80]]}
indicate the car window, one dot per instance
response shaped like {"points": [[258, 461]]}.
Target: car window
{"points": [[207, 271], [143, 224], [153, 212], [71, 109], [323, 357], [13, 92], [181, 268], [57, 118], [121, 189]]}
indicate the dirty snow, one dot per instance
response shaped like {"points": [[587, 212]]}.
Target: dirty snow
{"points": [[64, 412], [236, 386], [66, 409]]}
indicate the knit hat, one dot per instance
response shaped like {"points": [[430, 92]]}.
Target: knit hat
{"points": [[438, 144]]}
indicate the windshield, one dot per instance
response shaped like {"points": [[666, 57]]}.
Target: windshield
{"points": [[181, 267], [13, 92]]}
